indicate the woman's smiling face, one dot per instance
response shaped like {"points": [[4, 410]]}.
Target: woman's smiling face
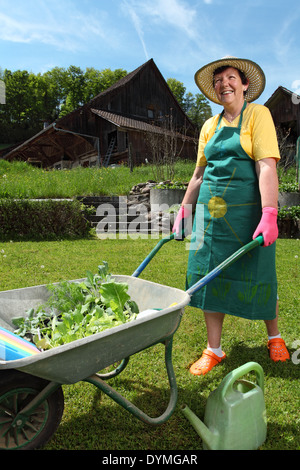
{"points": [[229, 87]]}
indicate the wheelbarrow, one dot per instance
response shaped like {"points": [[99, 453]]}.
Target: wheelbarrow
{"points": [[31, 396]]}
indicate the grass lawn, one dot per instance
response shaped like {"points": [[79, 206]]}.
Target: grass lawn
{"points": [[92, 420]]}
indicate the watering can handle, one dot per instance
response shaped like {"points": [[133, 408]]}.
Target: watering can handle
{"points": [[236, 374]]}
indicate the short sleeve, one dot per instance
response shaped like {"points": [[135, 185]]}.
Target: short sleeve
{"points": [[264, 137], [206, 134]]}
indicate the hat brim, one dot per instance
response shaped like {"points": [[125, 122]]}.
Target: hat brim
{"points": [[254, 73]]}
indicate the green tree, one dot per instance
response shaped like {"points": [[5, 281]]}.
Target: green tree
{"points": [[19, 116], [57, 90], [81, 87], [196, 106], [18, 95], [198, 109], [178, 89], [32, 100], [75, 84], [97, 81]]}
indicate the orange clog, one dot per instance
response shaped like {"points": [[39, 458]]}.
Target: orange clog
{"points": [[207, 361], [278, 350]]}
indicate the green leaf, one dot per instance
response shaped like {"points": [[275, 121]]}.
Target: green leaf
{"points": [[61, 328], [18, 321], [85, 308], [133, 306], [103, 270], [116, 293], [90, 279], [31, 313], [98, 312], [67, 320], [117, 310], [78, 317], [43, 343]]}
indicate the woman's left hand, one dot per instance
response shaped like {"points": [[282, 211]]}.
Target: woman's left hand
{"points": [[267, 226]]}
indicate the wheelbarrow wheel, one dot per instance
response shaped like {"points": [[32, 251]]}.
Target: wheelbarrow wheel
{"points": [[16, 391]]}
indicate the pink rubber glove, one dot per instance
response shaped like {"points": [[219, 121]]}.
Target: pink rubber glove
{"points": [[180, 222], [267, 226]]}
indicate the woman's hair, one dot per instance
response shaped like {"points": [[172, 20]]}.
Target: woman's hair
{"points": [[221, 69]]}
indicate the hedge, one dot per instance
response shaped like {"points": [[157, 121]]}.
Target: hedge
{"points": [[42, 219]]}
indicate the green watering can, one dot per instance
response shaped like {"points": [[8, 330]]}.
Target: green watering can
{"points": [[235, 414]]}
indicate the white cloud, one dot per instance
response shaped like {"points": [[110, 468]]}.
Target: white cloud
{"points": [[175, 13], [137, 25], [61, 27], [285, 41]]}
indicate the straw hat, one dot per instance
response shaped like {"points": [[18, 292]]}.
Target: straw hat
{"points": [[255, 75]]}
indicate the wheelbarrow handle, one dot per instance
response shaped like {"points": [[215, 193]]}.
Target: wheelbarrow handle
{"points": [[214, 273], [229, 261], [147, 260]]}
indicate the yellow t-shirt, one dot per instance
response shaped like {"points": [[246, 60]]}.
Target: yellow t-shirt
{"points": [[258, 134]]}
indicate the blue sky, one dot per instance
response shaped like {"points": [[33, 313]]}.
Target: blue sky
{"points": [[180, 35]]}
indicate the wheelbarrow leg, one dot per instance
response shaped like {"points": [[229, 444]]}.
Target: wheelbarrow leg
{"points": [[115, 372], [112, 393]]}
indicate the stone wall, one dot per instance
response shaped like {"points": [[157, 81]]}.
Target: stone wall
{"points": [[137, 205], [139, 196]]}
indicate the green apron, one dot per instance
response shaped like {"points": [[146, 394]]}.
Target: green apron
{"points": [[228, 211]]}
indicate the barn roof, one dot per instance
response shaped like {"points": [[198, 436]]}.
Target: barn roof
{"points": [[50, 144], [278, 93], [127, 123], [58, 138]]}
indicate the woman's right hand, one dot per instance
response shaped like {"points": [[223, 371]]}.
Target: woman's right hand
{"points": [[183, 220], [181, 223]]}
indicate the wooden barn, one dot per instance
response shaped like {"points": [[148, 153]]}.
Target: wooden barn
{"points": [[284, 106], [130, 122]]}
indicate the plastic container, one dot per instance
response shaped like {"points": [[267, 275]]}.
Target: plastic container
{"points": [[235, 413], [14, 347]]}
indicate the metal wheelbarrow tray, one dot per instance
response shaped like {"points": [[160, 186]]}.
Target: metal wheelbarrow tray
{"points": [[81, 360]]}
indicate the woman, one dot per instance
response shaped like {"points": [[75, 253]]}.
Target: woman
{"points": [[235, 191]]}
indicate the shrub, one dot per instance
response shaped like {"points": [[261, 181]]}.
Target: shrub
{"points": [[288, 187], [292, 212], [41, 219]]}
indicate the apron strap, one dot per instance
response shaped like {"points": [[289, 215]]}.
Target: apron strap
{"points": [[240, 121]]}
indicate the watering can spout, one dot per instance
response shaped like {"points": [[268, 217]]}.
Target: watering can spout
{"points": [[209, 438]]}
